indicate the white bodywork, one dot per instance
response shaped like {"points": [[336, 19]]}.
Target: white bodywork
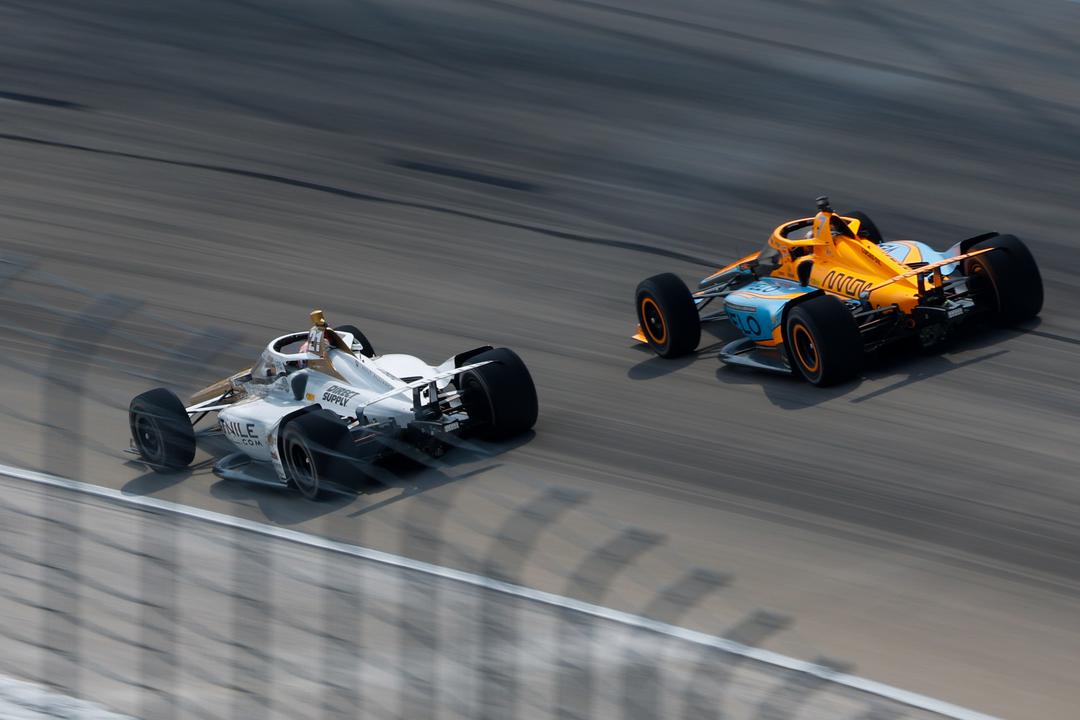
{"points": [[376, 391]]}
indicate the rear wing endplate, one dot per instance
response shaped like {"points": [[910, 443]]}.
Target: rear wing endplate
{"points": [[930, 267]]}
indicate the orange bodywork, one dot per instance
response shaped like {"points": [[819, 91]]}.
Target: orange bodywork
{"points": [[749, 258], [851, 267], [844, 264]]}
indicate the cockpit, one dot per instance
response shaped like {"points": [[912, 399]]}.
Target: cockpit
{"points": [[282, 356]]}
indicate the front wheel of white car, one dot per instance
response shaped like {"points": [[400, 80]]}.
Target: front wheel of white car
{"points": [[500, 397], [161, 430], [311, 451]]}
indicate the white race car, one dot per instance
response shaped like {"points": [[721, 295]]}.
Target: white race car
{"points": [[319, 405]]}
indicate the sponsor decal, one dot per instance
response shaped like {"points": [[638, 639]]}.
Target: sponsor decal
{"points": [[338, 395], [766, 289], [315, 341], [240, 433], [747, 323], [310, 397], [844, 284], [871, 255]]}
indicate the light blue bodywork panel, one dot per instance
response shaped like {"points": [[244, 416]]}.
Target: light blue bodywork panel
{"points": [[757, 309], [912, 251]]}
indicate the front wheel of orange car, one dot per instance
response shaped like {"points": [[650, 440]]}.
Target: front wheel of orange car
{"points": [[823, 341], [667, 315]]}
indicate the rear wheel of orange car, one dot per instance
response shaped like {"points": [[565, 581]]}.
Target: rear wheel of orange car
{"points": [[1006, 279], [823, 341], [667, 315], [867, 227]]}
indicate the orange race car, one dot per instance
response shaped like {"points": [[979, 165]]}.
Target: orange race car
{"points": [[827, 289]]}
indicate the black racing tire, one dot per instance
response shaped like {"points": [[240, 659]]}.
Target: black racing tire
{"points": [[499, 398], [823, 341], [867, 227], [161, 429], [1009, 276], [667, 315], [367, 350], [314, 449]]}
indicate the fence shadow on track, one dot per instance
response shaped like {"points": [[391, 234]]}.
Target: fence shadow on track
{"points": [[165, 616]]}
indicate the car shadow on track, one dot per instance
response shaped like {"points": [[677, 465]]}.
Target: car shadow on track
{"points": [[915, 364], [411, 477], [426, 480], [279, 505], [918, 370], [784, 391], [1049, 335], [151, 482], [403, 476], [905, 364], [713, 338]]}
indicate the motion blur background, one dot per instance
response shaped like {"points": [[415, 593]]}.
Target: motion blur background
{"points": [[182, 181]]}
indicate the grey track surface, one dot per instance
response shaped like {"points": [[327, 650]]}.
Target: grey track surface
{"points": [[453, 172]]}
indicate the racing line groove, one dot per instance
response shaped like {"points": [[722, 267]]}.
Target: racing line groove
{"points": [[367, 197]]}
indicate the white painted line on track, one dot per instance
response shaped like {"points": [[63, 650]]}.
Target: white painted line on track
{"points": [[22, 700], [766, 657]]}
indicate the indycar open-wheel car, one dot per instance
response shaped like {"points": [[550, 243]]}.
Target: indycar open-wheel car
{"points": [[827, 289], [320, 405]]}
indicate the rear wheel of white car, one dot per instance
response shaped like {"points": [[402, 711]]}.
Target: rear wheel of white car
{"points": [[366, 349], [313, 448], [500, 398], [823, 341], [161, 430], [1008, 276], [667, 315]]}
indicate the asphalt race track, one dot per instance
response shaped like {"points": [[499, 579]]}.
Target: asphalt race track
{"points": [[449, 173]]}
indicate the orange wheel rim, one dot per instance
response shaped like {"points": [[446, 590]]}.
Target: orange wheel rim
{"points": [[652, 320], [980, 270], [805, 349]]}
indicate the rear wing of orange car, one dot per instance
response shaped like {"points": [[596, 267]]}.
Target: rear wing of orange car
{"points": [[921, 272]]}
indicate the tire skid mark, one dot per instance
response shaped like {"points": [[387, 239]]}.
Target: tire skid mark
{"points": [[367, 197]]}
